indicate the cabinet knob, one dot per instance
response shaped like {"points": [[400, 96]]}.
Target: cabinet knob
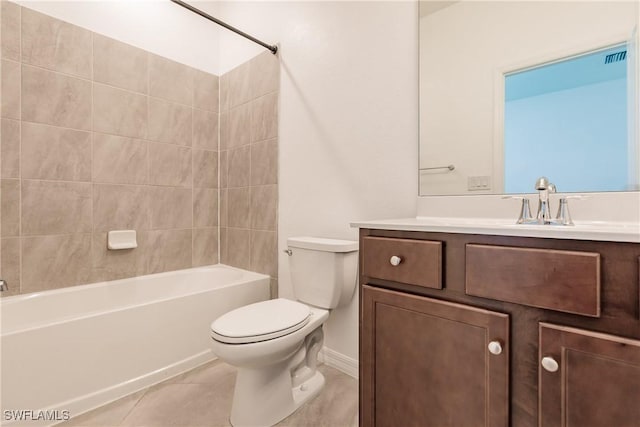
{"points": [[395, 260], [549, 364], [495, 347]]}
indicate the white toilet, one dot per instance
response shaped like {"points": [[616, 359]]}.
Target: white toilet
{"points": [[274, 344]]}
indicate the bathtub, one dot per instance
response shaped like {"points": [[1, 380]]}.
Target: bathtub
{"points": [[70, 350]]}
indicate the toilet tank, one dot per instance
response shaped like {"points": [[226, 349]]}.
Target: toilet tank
{"points": [[323, 271]]}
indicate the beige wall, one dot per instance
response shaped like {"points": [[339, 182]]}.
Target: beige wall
{"points": [[248, 166], [98, 135]]}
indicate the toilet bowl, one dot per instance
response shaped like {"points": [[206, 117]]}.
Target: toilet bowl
{"points": [[275, 344]]}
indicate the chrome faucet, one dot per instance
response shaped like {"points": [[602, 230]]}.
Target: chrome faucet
{"points": [[3, 286], [544, 188]]}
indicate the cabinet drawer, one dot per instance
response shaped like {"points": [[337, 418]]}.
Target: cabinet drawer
{"points": [[557, 280], [420, 261]]}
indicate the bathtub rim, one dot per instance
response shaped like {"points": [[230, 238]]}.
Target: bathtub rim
{"points": [[247, 276]]}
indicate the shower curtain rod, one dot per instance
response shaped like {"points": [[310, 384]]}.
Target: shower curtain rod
{"points": [[272, 48]]}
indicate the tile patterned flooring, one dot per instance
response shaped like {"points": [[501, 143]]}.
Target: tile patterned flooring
{"points": [[202, 398]]}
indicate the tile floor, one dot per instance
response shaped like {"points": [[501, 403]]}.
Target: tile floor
{"points": [[202, 398]]}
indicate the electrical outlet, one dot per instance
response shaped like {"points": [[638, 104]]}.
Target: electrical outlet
{"points": [[478, 183]]}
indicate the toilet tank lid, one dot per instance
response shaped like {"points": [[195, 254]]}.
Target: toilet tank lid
{"points": [[322, 244]]}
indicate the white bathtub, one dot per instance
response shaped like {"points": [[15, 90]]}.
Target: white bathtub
{"points": [[77, 348]]}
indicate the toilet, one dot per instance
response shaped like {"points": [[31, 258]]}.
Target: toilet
{"points": [[275, 343]]}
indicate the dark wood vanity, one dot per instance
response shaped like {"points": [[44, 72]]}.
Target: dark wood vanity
{"points": [[481, 330]]}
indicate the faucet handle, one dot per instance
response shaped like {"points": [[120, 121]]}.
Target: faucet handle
{"points": [[563, 217], [525, 209]]}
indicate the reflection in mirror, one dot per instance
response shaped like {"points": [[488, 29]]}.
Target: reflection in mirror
{"points": [[510, 91], [576, 110]]}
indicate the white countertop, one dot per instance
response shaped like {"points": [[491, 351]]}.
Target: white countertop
{"points": [[594, 230]]}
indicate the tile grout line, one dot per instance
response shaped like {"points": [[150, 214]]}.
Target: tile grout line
{"points": [[193, 200], [20, 242], [91, 161]]}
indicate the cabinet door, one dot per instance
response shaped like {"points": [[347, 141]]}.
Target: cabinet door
{"points": [[588, 378], [426, 362]]}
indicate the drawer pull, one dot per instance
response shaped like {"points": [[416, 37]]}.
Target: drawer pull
{"points": [[395, 260], [549, 364], [495, 347]]}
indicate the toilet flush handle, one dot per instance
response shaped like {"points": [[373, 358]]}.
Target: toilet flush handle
{"points": [[395, 260]]}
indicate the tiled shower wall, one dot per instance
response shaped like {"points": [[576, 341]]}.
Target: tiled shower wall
{"points": [[248, 166], [98, 135]]}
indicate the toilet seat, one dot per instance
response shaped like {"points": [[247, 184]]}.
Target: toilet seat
{"points": [[261, 321]]}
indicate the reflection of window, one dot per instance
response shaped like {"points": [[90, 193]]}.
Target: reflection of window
{"points": [[568, 116]]}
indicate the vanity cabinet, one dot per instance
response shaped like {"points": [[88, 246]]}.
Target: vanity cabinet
{"points": [[426, 351], [430, 362]]}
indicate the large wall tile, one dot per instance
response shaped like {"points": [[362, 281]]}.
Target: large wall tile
{"points": [[171, 207], [224, 253], [264, 207], [10, 265], [170, 80], [57, 45], [205, 91], [224, 131], [238, 207], [239, 164], [50, 262], [55, 153], [224, 169], [169, 165], [264, 74], [264, 162], [224, 208], [205, 129], [238, 250], [50, 207], [10, 89], [163, 138], [238, 133], [170, 122], [119, 160], [10, 30], [119, 64], [205, 169], [264, 117], [120, 207], [112, 265], [10, 207], [55, 99], [168, 250], [273, 288], [264, 252], [239, 85], [10, 149], [119, 112], [205, 246], [224, 92], [205, 207]]}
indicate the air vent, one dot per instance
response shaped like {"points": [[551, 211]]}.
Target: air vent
{"points": [[615, 57]]}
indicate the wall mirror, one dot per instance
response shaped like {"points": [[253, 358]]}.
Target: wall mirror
{"points": [[511, 90]]}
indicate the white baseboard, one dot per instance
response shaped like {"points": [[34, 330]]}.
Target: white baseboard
{"points": [[339, 361]]}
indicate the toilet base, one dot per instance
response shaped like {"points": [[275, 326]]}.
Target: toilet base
{"points": [[253, 408]]}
